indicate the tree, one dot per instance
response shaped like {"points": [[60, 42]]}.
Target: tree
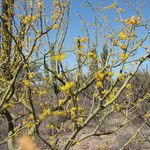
{"points": [[50, 95]]}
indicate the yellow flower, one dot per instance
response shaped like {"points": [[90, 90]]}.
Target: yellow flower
{"points": [[95, 94], [27, 83], [61, 102], [45, 113], [120, 10], [73, 112], [147, 115], [129, 86], [82, 46], [123, 46], [112, 60], [120, 76], [111, 96], [116, 107], [26, 65], [104, 92], [110, 36], [84, 39], [50, 126], [59, 113], [56, 3], [99, 84], [78, 99], [80, 121], [30, 117], [5, 106], [110, 73], [39, 4], [123, 35], [60, 75], [91, 55], [134, 20], [111, 6], [67, 86], [59, 57], [43, 92], [31, 74], [78, 143], [64, 4], [123, 56], [55, 26], [99, 75]]}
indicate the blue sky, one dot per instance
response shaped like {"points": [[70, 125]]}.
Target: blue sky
{"points": [[75, 25]]}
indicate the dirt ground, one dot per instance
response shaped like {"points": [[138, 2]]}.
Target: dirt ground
{"points": [[117, 140]]}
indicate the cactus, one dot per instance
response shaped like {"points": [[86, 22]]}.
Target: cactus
{"points": [[93, 65], [79, 61], [104, 54], [53, 85]]}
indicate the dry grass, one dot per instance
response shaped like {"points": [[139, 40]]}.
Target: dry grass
{"points": [[26, 143]]}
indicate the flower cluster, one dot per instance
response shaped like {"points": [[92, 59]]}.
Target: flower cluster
{"points": [[83, 39], [99, 84], [120, 76], [111, 6], [110, 73], [59, 57], [134, 20], [123, 46], [123, 56], [30, 18], [91, 55], [55, 26], [67, 87], [27, 83], [30, 75], [45, 113], [59, 8], [123, 35], [99, 75]]}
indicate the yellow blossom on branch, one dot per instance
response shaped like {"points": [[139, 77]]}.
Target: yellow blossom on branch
{"points": [[56, 3], [5, 106], [67, 87], [55, 26], [59, 57], [134, 20], [99, 84], [61, 102], [91, 55], [27, 83], [104, 92], [50, 126], [120, 76], [110, 73], [43, 92], [95, 94], [123, 35], [123, 56], [63, 4], [129, 86], [123, 46], [99, 75], [31, 74], [111, 6], [120, 10], [80, 121], [84, 39], [39, 4]]}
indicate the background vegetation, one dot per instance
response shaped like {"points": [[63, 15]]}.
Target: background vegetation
{"points": [[60, 94]]}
